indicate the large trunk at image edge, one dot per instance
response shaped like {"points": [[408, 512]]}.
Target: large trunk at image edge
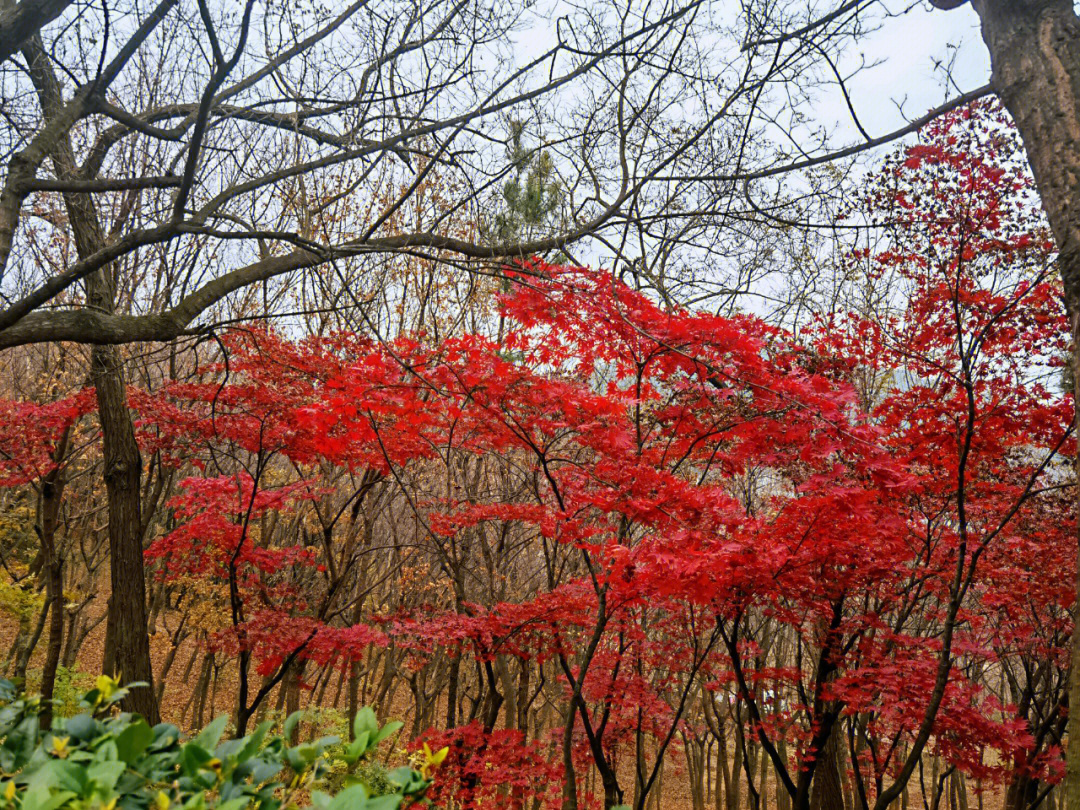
{"points": [[127, 647], [1035, 56], [130, 641]]}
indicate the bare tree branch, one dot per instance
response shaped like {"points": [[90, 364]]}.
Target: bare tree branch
{"points": [[20, 21]]}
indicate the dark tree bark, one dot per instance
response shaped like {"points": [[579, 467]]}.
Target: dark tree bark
{"points": [[25, 644], [452, 692], [827, 792], [123, 470], [1035, 70], [353, 696], [52, 491], [20, 21], [130, 642], [1035, 58]]}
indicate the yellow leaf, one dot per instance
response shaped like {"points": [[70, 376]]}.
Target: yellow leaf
{"points": [[106, 686], [60, 746], [432, 759]]}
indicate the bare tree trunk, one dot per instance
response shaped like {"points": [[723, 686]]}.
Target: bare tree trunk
{"points": [[52, 491], [26, 642], [523, 698], [1035, 57], [783, 798], [452, 692], [291, 684], [763, 776], [828, 791], [203, 689], [722, 781], [130, 656], [735, 783], [509, 691], [123, 469], [354, 695], [174, 648], [79, 629]]}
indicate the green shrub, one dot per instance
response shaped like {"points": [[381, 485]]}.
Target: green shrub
{"points": [[68, 689], [104, 759]]}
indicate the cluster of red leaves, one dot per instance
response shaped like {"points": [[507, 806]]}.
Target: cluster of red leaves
{"points": [[493, 768], [890, 453], [30, 431]]}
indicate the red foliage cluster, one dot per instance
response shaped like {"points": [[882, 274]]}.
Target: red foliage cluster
{"points": [[879, 490], [30, 432], [493, 768]]}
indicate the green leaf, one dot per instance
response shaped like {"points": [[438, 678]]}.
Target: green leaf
{"points": [[294, 760], [356, 749], [210, 735], [41, 799], [58, 774], [390, 728], [351, 798], [133, 740], [205, 779], [264, 771], [253, 742], [165, 734], [387, 802], [107, 749], [410, 781], [365, 720], [325, 742], [192, 758], [105, 774], [234, 804], [290, 724], [401, 776], [81, 727], [20, 743]]}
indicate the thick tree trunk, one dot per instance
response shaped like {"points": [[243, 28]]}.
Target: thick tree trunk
{"points": [[1035, 56], [509, 691], [827, 792], [123, 469], [127, 631], [22, 20], [203, 689], [291, 685], [55, 593]]}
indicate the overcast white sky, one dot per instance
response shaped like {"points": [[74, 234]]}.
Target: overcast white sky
{"points": [[908, 47]]}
